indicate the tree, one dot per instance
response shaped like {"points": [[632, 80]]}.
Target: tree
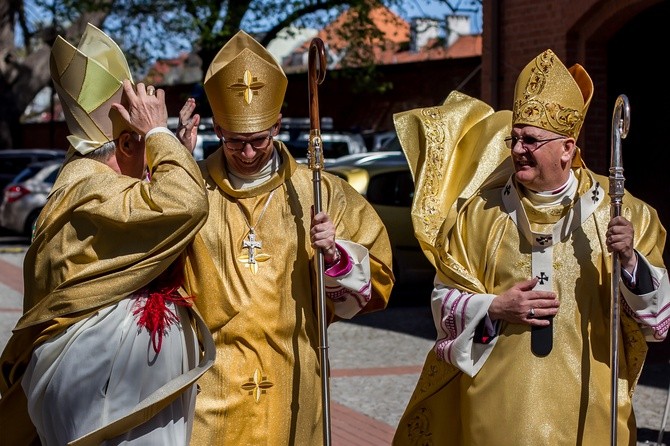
{"points": [[151, 27]]}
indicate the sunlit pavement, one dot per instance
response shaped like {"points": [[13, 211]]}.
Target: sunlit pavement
{"points": [[375, 361]]}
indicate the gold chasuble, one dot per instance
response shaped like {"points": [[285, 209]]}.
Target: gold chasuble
{"points": [[518, 398], [101, 237], [256, 291]]}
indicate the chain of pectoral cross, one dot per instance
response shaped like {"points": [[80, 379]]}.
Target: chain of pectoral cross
{"points": [[251, 243]]}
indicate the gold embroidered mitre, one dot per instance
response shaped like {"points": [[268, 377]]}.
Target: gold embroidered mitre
{"points": [[245, 86], [549, 96], [89, 80]]}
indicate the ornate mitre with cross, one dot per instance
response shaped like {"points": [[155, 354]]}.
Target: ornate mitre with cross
{"points": [[550, 96], [245, 86]]}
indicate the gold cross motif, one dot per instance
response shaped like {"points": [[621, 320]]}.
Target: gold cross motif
{"points": [[251, 259], [248, 86], [257, 385]]}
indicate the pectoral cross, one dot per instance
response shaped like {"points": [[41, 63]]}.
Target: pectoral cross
{"points": [[251, 244], [251, 259]]}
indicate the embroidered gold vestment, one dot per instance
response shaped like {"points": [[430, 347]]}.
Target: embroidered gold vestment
{"points": [[518, 398], [265, 385], [101, 237]]}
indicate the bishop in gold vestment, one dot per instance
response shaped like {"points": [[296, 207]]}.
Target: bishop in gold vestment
{"points": [[483, 384], [252, 265], [80, 366]]}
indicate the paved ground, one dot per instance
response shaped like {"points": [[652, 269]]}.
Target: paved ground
{"points": [[375, 362]]}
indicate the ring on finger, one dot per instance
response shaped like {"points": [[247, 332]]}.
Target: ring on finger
{"points": [[151, 90], [531, 313]]}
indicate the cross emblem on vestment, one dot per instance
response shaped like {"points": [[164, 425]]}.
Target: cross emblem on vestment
{"points": [[596, 193], [248, 86], [543, 277], [257, 385], [252, 258]]}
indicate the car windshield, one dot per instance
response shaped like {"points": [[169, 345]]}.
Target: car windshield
{"points": [[391, 145], [51, 179]]}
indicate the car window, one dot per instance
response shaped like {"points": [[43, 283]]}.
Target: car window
{"points": [[26, 173], [336, 149], [51, 178], [210, 146], [13, 164], [391, 189], [391, 145], [331, 149], [298, 149]]}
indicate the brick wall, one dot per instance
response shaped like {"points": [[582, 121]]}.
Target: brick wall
{"points": [[415, 85], [515, 31]]}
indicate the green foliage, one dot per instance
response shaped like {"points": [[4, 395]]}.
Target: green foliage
{"points": [[148, 28]]}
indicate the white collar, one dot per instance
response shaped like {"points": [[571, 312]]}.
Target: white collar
{"points": [[555, 196]]}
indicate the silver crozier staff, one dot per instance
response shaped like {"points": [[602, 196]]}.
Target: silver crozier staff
{"points": [[620, 125], [317, 72]]}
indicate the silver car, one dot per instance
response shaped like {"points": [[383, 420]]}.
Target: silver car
{"points": [[24, 197]]}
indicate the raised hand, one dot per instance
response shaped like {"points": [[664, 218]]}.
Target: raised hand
{"points": [[187, 132], [144, 110]]}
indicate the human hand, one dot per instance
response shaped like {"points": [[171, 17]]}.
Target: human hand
{"points": [[620, 235], [322, 236], [187, 132], [523, 305], [146, 110]]}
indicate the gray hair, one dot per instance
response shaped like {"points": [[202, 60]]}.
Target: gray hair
{"points": [[104, 152]]}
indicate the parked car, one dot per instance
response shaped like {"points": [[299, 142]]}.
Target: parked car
{"points": [[391, 145], [294, 132], [335, 144], [26, 195], [384, 179], [377, 140], [13, 161]]}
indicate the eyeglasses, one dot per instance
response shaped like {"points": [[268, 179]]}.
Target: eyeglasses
{"points": [[239, 144], [529, 143]]}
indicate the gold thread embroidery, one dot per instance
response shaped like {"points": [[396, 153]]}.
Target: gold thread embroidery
{"points": [[248, 86], [257, 385]]}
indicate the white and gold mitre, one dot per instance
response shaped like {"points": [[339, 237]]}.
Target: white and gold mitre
{"points": [[89, 80], [549, 96], [245, 86]]}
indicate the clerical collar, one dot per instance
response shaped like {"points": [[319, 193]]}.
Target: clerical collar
{"points": [[243, 181], [555, 196]]}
